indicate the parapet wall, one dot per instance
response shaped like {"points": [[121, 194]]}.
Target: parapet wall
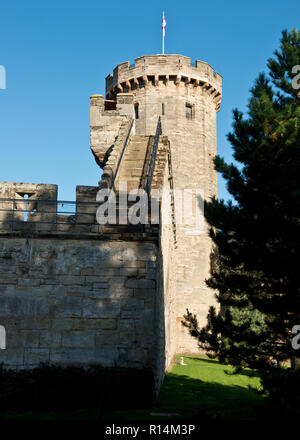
{"points": [[126, 77], [33, 210]]}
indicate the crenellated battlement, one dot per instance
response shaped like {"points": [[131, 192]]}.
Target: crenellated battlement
{"points": [[156, 68]]}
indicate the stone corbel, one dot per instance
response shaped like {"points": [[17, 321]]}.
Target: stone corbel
{"points": [[145, 79], [120, 87], [218, 99], [128, 85], [214, 94], [135, 81], [196, 83], [156, 80], [187, 80], [178, 79]]}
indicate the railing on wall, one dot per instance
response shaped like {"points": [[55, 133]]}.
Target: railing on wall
{"points": [[158, 132], [146, 164], [122, 154], [35, 216], [47, 215]]}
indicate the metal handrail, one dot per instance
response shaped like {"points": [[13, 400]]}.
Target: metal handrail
{"points": [[121, 156], [58, 202], [158, 132], [59, 213]]}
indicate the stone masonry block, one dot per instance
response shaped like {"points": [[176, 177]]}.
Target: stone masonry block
{"points": [[107, 338], [105, 357], [144, 293], [140, 283], [78, 339], [36, 355], [12, 356], [49, 339]]}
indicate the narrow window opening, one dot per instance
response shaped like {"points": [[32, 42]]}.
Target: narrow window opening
{"points": [[188, 111], [25, 207], [136, 111], [163, 109]]}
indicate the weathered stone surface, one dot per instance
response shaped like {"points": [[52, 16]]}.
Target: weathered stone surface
{"points": [[139, 283], [65, 315], [144, 293], [34, 356], [50, 339], [79, 339], [106, 357]]}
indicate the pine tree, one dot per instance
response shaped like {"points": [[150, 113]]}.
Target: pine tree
{"points": [[256, 268]]}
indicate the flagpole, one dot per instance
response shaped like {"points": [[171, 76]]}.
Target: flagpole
{"points": [[163, 35]]}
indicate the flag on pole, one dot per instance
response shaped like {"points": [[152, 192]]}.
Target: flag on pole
{"points": [[163, 33], [164, 25]]}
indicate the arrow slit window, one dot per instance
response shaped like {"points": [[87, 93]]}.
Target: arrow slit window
{"points": [[136, 111], [189, 113]]}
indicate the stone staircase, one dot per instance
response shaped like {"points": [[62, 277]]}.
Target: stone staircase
{"points": [[129, 164], [135, 163]]}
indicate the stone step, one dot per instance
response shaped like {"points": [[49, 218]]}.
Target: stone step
{"points": [[133, 162]]}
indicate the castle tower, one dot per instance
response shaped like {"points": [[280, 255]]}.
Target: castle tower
{"points": [[187, 99]]}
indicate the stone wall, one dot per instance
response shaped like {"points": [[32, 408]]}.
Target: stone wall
{"points": [[168, 270], [106, 125], [77, 301]]}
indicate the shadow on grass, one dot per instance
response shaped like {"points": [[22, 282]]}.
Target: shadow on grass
{"points": [[193, 397], [201, 359], [181, 397]]}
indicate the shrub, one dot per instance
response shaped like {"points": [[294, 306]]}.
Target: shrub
{"points": [[58, 388]]}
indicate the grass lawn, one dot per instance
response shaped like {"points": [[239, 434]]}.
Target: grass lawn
{"points": [[199, 389], [206, 386]]}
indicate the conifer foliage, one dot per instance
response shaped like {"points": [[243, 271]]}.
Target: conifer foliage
{"points": [[255, 269]]}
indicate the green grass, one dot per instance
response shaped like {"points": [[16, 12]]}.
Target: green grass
{"points": [[206, 386]]}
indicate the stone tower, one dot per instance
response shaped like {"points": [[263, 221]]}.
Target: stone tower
{"points": [[74, 291], [187, 98]]}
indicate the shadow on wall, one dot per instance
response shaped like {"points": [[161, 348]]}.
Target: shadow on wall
{"points": [[79, 302]]}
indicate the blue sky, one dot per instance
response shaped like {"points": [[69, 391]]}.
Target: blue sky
{"points": [[57, 54]]}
